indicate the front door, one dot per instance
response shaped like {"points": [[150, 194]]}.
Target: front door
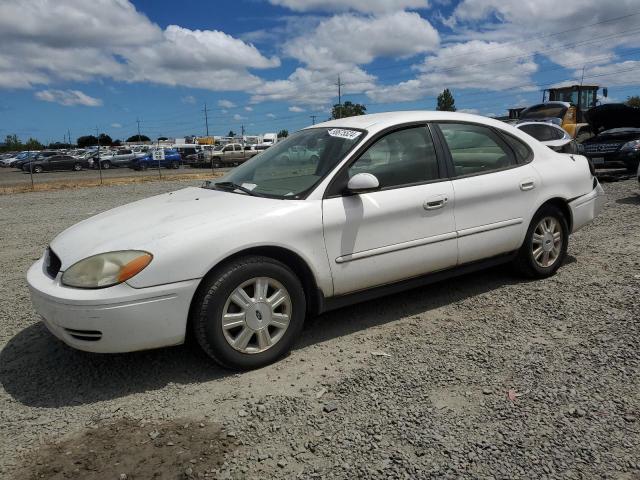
{"points": [[403, 230]]}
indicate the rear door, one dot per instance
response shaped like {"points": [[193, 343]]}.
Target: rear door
{"points": [[494, 186]]}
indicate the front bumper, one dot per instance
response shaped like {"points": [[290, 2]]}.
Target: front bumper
{"points": [[115, 319], [587, 207]]}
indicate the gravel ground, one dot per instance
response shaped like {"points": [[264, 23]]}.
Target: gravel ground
{"points": [[484, 376]]}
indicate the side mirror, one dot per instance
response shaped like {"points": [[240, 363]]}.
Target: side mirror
{"points": [[363, 183]]}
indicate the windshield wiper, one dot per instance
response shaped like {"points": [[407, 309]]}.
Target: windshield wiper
{"points": [[230, 186]]}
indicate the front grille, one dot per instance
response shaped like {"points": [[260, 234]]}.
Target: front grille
{"points": [[52, 263], [597, 148], [85, 335]]}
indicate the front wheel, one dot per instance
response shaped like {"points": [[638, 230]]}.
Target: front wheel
{"points": [[545, 245], [249, 314], [175, 165], [37, 169], [77, 167], [106, 165]]}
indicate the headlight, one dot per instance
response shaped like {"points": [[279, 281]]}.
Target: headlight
{"points": [[632, 145], [106, 269]]}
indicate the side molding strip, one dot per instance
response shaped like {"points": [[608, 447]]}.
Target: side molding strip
{"points": [[427, 241]]}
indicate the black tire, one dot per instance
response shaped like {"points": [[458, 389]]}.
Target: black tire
{"points": [[216, 162], [175, 165], [209, 304], [77, 167], [106, 165], [37, 169], [525, 262], [143, 166]]}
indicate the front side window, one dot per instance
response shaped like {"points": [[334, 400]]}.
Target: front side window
{"points": [[237, 148], [476, 149], [403, 157], [291, 167]]}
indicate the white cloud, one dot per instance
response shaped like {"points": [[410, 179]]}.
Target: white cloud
{"points": [[116, 125], [226, 104], [271, 115], [346, 40], [470, 65], [238, 117], [365, 6], [248, 109], [313, 87], [296, 109], [77, 40], [188, 99], [224, 111], [68, 98]]}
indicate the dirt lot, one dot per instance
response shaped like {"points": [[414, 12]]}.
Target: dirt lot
{"points": [[11, 177], [484, 376]]}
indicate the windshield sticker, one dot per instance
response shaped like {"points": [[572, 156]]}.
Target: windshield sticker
{"points": [[249, 186], [342, 133]]}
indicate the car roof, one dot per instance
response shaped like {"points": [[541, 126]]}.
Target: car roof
{"points": [[379, 121]]}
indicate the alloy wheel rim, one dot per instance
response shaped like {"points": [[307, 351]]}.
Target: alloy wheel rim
{"points": [[547, 242], [256, 315]]}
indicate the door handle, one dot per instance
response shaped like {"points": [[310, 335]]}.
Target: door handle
{"points": [[435, 203], [527, 185]]}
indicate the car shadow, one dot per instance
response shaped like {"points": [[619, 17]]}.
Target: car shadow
{"points": [[632, 200], [38, 370]]}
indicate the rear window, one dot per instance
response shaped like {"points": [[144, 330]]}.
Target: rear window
{"points": [[542, 132]]}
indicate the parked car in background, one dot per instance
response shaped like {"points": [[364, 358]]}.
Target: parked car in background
{"points": [[54, 162], [11, 159], [119, 158], [617, 143], [20, 164], [168, 158], [386, 202], [551, 135], [231, 154]]}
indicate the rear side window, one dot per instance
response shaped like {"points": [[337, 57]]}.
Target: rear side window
{"points": [[522, 151], [476, 149], [238, 148]]}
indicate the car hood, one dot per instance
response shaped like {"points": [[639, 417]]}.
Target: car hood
{"points": [[164, 221], [613, 115]]}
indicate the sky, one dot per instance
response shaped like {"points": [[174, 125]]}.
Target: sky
{"points": [[77, 66]]}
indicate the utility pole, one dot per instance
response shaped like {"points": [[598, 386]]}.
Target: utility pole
{"points": [[313, 119], [69, 134], [582, 79], [138, 122], [339, 85], [206, 118]]}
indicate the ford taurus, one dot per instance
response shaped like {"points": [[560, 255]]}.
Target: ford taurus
{"points": [[337, 213]]}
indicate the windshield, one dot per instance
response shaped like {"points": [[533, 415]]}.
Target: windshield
{"points": [[543, 111], [293, 166]]}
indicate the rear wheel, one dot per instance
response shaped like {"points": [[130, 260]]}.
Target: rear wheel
{"points": [[250, 313], [77, 167], [106, 164], [37, 169], [545, 245], [175, 165]]}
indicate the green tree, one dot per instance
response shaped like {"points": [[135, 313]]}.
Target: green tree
{"points": [[283, 133], [12, 142], [446, 102], [87, 141], [633, 101], [105, 139], [33, 144], [347, 109], [138, 138], [116, 143], [162, 139]]}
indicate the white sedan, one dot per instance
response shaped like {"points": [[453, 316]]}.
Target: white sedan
{"points": [[381, 203]]}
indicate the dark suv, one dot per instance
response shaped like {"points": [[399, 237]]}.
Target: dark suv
{"points": [[618, 140]]}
